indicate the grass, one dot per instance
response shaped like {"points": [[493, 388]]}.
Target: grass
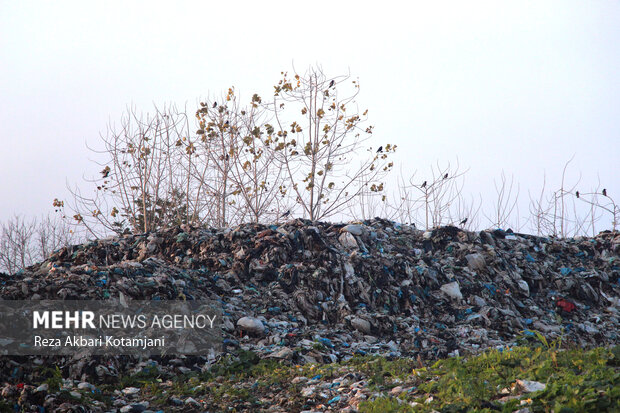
{"points": [[576, 381]]}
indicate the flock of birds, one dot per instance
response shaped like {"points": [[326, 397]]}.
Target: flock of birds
{"points": [[603, 192], [106, 171]]}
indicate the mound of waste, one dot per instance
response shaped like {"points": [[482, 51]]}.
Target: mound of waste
{"points": [[306, 292]]}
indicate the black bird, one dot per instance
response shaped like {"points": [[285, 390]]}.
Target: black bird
{"points": [[214, 105], [286, 214], [604, 192], [105, 172], [445, 176], [463, 222], [424, 184], [332, 83], [380, 149], [577, 194]]}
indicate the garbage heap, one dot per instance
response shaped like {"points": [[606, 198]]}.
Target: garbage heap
{"points": [[308, 292]]}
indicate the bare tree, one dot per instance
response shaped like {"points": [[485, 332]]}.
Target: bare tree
{"points": [[318, 151], [243, 177], [157, 173], [15, 244], [593, 199], [24, 242], [141, 184], [52, 233], [463, 208], [402, 206], [559, 200], [505, 203], [368, 204], [560, 214], [540, 211], [434, 195], [220, 142]]}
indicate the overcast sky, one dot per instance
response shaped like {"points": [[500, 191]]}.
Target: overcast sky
{"points": [[513, 86]]}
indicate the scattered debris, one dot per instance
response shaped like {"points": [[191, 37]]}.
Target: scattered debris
{"points": [[304, 292]]}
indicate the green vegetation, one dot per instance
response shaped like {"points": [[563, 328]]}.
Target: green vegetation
{"points": [[574, 380], [54, 378]]}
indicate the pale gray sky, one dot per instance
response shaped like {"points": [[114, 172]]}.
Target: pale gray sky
{"points": [[513, 86]]}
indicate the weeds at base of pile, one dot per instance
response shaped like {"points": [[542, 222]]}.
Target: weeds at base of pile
{"points": [[575, 380]]}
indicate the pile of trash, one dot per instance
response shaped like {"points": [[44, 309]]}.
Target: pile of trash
{"points": [[304, 292]]}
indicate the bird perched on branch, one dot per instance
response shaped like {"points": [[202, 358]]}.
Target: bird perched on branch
{"points": [[105, 172], [424, 184], [380, 149], [463, 222], [286, 214], [445, 176], [577, 194], [332, 83], [214, 105], [604, 192]]}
